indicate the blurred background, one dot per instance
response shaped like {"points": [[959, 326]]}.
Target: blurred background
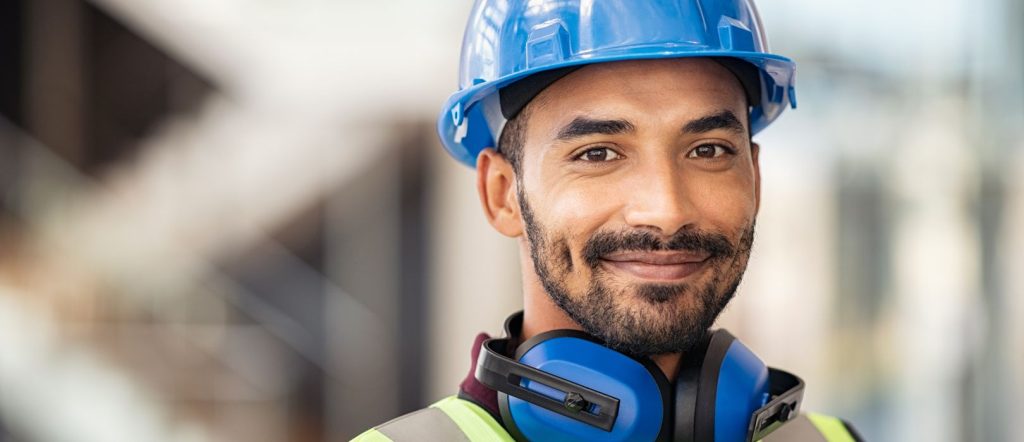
{"points": [[231, 219]]}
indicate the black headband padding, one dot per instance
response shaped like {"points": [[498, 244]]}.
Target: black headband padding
{"points": [[748, 75], [516, 96]]}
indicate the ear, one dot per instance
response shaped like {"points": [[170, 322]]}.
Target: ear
{"points": [[755, 150], [496, 186]]}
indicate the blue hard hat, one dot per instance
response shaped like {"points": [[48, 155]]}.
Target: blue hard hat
{"points": [[510, 40]]}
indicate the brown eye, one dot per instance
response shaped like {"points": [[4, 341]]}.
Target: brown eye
{"points": [[599, 154], [709, 151]]}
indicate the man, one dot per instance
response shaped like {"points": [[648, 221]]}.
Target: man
{"points": [[625, 170]]}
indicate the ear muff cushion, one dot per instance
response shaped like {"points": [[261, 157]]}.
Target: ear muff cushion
{"points": [[639, 385]]}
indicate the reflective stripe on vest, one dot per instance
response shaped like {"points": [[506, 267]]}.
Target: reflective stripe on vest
{"points": [[412, 426], [454, 419], [450, 419]]}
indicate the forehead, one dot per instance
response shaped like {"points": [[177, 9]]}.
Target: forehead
{"points": [[678, 86]]}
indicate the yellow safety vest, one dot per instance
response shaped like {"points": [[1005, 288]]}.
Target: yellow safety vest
{"points": [[453, 419]]}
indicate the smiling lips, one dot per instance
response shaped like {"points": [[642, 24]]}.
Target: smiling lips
{"points": [[656, 266]]}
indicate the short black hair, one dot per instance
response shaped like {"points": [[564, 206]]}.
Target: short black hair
{"points": [[516, 100], [512, 139]]}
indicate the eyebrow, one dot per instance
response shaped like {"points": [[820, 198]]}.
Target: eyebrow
{"points": [[722, 120], [583, 126]]}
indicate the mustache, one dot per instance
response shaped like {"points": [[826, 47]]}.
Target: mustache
{"points": [[716, 245]]}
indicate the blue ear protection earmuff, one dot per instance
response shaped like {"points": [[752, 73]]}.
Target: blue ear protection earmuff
{"points": [[566, 385], [595, 393]]}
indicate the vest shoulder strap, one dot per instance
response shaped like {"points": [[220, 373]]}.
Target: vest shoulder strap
{"points": [[813, 427], [450, 419]]}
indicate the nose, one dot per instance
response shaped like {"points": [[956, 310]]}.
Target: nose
{"points": [[660, 200]]}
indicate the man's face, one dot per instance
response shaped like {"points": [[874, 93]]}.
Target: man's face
{"points": [[638, 189]]}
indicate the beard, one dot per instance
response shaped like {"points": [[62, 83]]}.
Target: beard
{"points": [[639, 319]]}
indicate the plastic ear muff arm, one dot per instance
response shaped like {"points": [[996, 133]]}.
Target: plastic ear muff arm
{"points": [[503, 374], [787, 391]]}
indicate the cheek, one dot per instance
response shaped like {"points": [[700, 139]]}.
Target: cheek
{"points": [[727, 201], [573, 214], [581, 210]]}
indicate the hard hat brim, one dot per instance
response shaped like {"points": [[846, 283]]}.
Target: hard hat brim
{"points": [[464, 133]]}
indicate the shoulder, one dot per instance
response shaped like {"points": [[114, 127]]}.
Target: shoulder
{"points": [[815, 427], [450, 419]]}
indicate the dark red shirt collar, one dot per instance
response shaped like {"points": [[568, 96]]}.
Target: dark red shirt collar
{"points": [[472, 390]]}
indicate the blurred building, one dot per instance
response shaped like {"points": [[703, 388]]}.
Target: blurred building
{"points": [[231, 220]]}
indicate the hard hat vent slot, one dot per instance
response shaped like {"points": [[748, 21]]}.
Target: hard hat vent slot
{"points": [[548, 44], [734, 36]]}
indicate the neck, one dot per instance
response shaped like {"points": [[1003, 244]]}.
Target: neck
{"points": [[541, 314]]}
